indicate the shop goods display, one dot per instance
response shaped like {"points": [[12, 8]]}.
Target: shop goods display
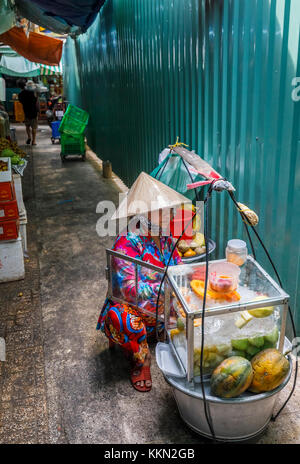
{"points": [[15, 159], [232, 377], [11, 145]]}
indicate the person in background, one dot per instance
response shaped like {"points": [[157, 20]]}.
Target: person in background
{"points": [[31, 109]]}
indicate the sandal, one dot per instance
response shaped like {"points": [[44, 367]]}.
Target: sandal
{"points": [[138, 375]]}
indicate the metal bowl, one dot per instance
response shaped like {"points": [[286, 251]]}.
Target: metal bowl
{"points": [[195, 259], [234, 419]]}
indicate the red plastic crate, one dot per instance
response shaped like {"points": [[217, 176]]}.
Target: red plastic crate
{"points": [[6, 191], [9, 210], [9, 230]]}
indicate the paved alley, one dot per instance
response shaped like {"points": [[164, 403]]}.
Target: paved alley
{"points": [[60, 384]]}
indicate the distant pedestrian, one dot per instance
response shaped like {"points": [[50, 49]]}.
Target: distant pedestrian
{"points": [[31, 109]]}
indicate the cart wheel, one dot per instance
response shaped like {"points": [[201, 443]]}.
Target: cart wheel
{"points": [[83, 157], [62, 158], [52, 140], [59, 140]]}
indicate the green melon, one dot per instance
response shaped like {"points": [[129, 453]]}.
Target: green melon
{"points": [[257, 341], [273, 336], [240, 344], [232, 377]]}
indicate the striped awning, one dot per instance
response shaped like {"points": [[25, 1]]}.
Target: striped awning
{"points": [[50, 70]]}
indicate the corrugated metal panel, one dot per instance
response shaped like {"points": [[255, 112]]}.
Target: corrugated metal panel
{"points": [[216, 73]]}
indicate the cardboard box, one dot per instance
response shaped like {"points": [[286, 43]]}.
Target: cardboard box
{"points": [[9, 230]]}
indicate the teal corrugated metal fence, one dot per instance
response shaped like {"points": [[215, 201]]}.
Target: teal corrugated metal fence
{"points": [[217, 73]]}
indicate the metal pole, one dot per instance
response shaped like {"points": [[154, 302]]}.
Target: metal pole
{"points": [[283, 326], [166, 309], [190, 347]]}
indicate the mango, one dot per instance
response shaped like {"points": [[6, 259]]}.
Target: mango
{"points": [[261, 312]]}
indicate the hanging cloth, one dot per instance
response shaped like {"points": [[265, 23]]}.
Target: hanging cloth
{"points": [[177, 174], [18, 66], [36, 47]]}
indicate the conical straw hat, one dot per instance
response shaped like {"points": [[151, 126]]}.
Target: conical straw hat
{"points": [[148, 194]]}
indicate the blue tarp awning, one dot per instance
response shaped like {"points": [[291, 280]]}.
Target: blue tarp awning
{"points": [[75, 12]]}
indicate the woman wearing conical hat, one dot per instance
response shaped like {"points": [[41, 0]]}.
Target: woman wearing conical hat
{"points": [[151, 203]]}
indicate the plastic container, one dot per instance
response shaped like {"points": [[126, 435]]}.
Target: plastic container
{"points": [[181, 221], [74, 121], [236, 252], [72, 145], [223, 277], [55, 133], [12, 260]]}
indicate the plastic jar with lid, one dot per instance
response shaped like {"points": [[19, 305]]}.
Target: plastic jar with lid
{"points": [[236, 252]]}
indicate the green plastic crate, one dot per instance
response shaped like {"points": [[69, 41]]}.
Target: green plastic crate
{"points": [[72, 145], [74, 121]]}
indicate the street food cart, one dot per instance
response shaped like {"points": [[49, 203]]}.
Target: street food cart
{"points": [[213, 311]]}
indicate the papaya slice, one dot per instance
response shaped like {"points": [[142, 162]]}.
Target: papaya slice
{"points": [[198, 288]]}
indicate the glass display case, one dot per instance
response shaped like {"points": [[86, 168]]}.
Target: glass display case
{"points": [[128, 279], [241, 321], [246, 316]]}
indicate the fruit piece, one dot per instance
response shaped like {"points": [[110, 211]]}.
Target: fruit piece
{"points": [[261, 312], [199, 238], [212, 357], [198, 288], [200, 250], [223, 349], [237, 353], [189, 253], [232, 377], [273, 336], [244, 318], [257, 341], [269, 345], [253, 350], [180, 324], [197, 223], [193, 244], [240, 344], [270, 368], [174, 332], [199, 274], [182, 246]]}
